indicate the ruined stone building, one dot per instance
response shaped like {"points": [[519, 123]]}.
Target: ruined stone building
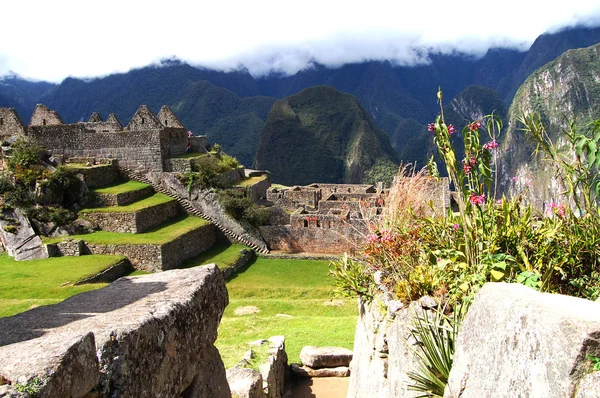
{"points": [[144, 144]]}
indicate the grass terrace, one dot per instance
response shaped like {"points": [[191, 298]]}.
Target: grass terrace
{"points": [[221, 254], [162, 234], [33, 283], [250, 181], [123, 187], [294, 299], [189, 155], [154, 200]]}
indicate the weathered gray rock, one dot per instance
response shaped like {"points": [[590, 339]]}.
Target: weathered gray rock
{"points": [[516, 342], [66, 366], [325, 357], [154, 337], [245, 382], [23, 243], [306, 371], [273, 371], [383, 351], [589, 387]]}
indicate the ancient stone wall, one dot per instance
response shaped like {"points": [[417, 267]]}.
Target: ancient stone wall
{"points": [[338, 239], [123, 198], [161, 257], [99, 175], [103, 127], [293, 198], [149, 336], [328, 189], [177, 165], [173, 141], [198, 143], [10, 123], [133, 222], [232, 176], [44, 116], [258, 191]]}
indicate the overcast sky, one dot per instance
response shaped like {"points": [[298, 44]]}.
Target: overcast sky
{"points": [[53, 39]]}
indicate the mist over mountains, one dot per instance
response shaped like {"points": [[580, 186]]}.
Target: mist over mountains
{"points": [[232, 107]]}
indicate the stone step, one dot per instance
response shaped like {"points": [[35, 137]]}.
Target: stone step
{"points": [[134, 218]]}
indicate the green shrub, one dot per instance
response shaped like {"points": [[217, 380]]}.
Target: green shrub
{"points": [[240, 206], [25, 152], [57, 215]]}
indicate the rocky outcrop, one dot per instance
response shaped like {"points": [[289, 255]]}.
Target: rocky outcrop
{"points": [[19, 238], [150, 336], [516, 342], [274, 369]]}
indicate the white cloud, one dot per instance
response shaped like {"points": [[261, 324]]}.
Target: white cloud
{"points": [[54, 39]]}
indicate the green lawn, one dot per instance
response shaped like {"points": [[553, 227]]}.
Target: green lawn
{"points": [[300, 288], [28, 284], [221, 254], [162, 234], [122, 187], [154, 200], [189, 155]]}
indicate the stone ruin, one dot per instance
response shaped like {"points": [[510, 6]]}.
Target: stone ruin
{"points": [[144, 144], [332, 218]]}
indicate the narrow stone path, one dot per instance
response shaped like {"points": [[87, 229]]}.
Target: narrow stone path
{"points": [[318, 387]]}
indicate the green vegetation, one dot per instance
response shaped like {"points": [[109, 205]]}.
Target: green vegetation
{"points": [[159, 235], [154, 200], [28, 284], [122, 187], [239, 205], [299, 288], [222, 255], [206, 171], [322, 135]]}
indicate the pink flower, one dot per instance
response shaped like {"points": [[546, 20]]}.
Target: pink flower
{"points": [[515, 179], [466, 166], [451, 129], [555, 208], [472, 160], [475, 126], [477, 199], [431, 127], [455, 226], [372, 238], [491, 145]]}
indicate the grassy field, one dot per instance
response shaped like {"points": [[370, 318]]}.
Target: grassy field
{"points": [[162, 234], [297, 288], [28, 284]]}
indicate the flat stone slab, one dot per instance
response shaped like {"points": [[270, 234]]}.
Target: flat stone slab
{"points": [[245, 382], [154, 336], [306, 371], [325, 357], [23, 244]]}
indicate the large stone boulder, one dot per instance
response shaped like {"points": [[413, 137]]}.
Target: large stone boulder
{"points": [[325, 357], [19, 238], [516, 342], [150, 336]]}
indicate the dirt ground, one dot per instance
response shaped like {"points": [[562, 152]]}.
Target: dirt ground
{"points": [[318, 387]]}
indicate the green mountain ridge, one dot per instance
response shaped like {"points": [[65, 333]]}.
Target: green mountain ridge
{"points": [[566, 88], [323, 135]]}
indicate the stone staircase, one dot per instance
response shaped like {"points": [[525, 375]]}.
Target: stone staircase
{"points": [[187, 206]]}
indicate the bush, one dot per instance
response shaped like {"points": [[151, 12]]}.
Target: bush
{"points": [[25, 152], [240, 206]]}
